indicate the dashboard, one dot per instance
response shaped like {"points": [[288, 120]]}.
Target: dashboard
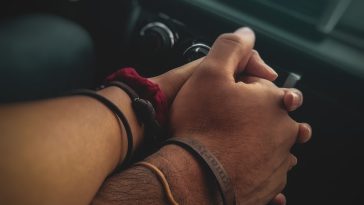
{"points": [[331, 70], [320, 41]]}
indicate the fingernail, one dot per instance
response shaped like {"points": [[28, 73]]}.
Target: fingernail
{"points": [[270, 69], [244, 30], [309, 129], [295, 99], [294, 161], [292, 101], [305, 133], [267, 67], [255, 52]]}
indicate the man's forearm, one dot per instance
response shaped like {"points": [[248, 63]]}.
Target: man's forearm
{"points": [[134, 186], [139, 185]]}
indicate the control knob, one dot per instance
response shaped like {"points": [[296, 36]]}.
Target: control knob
{"points": [[196, 51], [157, 37]]}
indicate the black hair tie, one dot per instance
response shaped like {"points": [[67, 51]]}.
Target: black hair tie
{"points": [[144, 112]]}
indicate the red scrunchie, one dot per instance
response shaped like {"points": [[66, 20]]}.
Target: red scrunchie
{"points": [[145, 89]]}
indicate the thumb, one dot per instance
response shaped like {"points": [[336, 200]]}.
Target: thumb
{"points": [[231, 52], [258, 68]]}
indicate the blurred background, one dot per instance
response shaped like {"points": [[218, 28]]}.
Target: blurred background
{"points": [[49, 47]]}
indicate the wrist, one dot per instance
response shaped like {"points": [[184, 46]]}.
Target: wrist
{"points": [[136, 185], [188, 180], [123, 102], [145, 89]]}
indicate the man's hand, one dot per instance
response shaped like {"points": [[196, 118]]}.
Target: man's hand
{"points": [[241, 119]]}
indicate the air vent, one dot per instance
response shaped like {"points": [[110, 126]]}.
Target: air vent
{"points": [[309, 9], [322, 15]]}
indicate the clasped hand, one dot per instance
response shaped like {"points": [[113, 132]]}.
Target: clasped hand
{"points": [[228, 102]]}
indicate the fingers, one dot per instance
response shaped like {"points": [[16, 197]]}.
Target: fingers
{"points": [[292, 99], [292, 161], [248, 79], [304, 133], [257, 67], [258, 71], [172, 81], [231, 52], [280, 199]]}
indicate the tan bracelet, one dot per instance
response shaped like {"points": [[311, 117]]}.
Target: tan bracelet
{"points": [[161, 178]]}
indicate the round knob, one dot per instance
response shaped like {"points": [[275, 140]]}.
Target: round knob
{"points": [[157, 37], [196, 51]]}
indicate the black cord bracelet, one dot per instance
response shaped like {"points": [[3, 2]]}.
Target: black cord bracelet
{"points": [[144, 111], [112, 107], [211, 163]]}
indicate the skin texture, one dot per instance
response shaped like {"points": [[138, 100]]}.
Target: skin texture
{"points": [[60, 151], [243, 114], [139, 185], [54, 151], [187, 179]]}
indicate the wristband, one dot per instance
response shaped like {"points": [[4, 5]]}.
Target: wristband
{"points": [[144, 112], [146, 89], [211, 163]]}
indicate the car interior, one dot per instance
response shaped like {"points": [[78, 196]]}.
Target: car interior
{"points": [[316, 46]]}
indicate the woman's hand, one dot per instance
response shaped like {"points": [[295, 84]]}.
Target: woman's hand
{"points": [[171, 81]]}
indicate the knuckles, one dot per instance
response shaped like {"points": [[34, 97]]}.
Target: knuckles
{"points": [[282, 184], [233, 40]]}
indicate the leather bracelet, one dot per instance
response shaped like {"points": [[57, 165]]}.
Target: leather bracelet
{"points": [[113, 108], [211, 163], [144, 112]]}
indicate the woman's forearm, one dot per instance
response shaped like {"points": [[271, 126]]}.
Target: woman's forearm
{"points": [[60, 151]]}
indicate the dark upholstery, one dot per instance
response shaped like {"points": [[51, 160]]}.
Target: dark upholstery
{"points": [[43, 56]]}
